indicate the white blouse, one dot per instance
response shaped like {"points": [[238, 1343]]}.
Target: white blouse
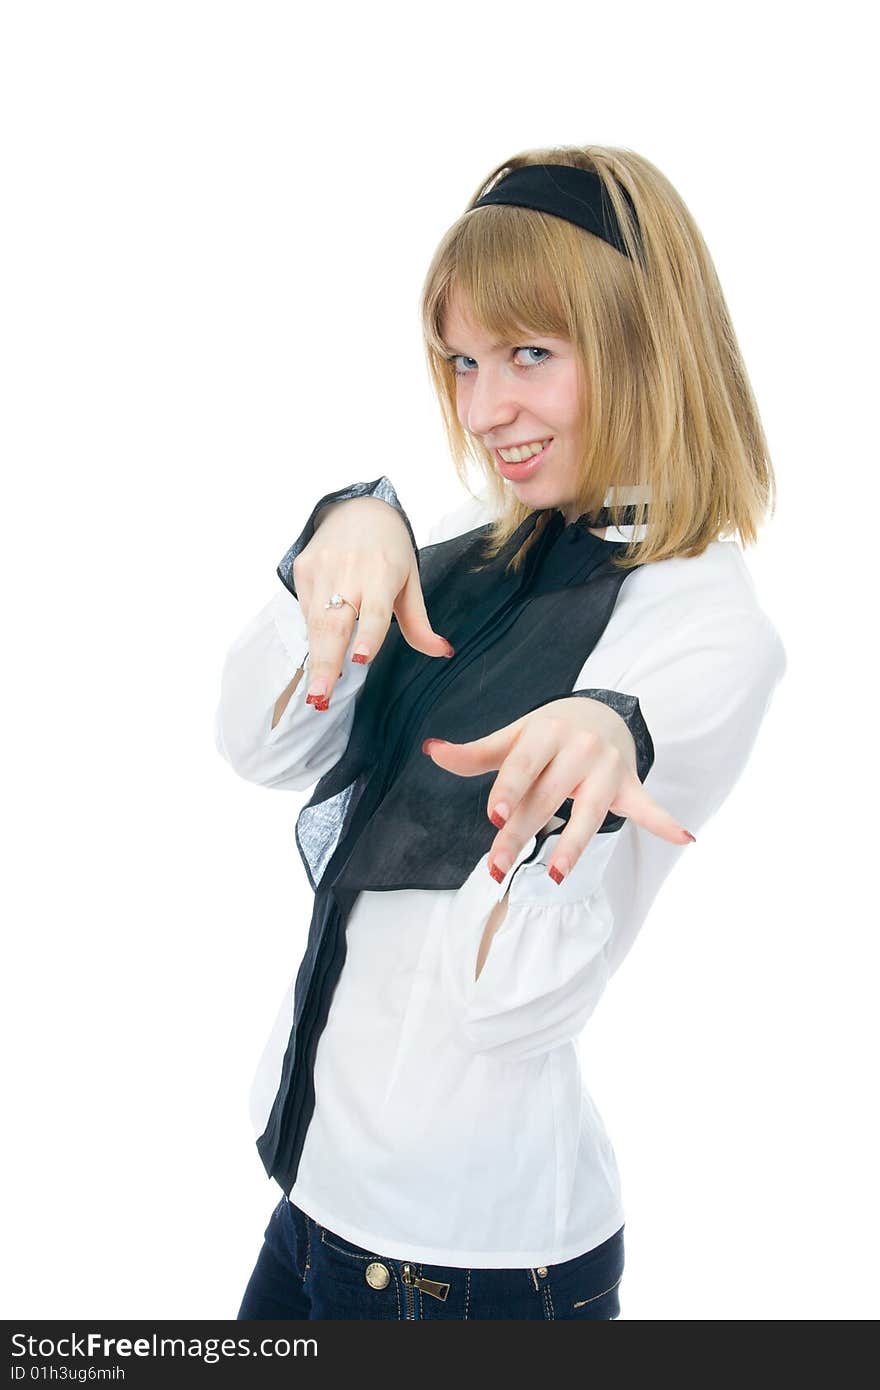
{"points": [[452, 1125]]}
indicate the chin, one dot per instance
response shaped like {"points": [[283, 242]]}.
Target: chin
{"points": [[539, 492]]}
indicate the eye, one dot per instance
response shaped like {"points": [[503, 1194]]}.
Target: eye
{"points": [[525, 366], [543, 360], [459, 356]]}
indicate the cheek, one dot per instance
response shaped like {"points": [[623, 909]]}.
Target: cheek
{"points": [[561, 409], [561, 401]]}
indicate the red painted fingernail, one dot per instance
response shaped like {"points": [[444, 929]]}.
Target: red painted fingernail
{"points": [[497, 874], [497, 820], [319, 701], [556, 873], [692, 838]]}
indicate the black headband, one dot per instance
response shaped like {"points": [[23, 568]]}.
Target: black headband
{"points": [[577, 195]]}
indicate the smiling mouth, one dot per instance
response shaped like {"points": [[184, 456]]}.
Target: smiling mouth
{"points": [[533, 446], [516, 472]]}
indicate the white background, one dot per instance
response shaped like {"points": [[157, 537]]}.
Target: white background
{"points": [[218, 219]]}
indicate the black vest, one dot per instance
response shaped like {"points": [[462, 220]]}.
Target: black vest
{"points": [[386, 816]]}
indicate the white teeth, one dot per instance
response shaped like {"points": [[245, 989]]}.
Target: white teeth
{"points": [[526, 451]]}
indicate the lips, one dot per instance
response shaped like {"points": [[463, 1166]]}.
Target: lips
{"points": [[517, 472]]}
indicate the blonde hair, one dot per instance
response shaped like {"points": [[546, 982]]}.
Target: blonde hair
{"points": [[670, 406]]}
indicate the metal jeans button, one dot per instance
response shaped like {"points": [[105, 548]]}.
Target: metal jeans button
{"points": [[377, 1275]]}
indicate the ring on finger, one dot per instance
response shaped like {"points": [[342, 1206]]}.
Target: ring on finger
{"points": [[337, 601]]}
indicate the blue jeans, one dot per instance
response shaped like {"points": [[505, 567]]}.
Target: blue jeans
{"points": [[305, 1271]]}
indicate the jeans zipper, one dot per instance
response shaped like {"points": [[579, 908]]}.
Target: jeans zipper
{"points": [[407, 1276], [431, 1286]]}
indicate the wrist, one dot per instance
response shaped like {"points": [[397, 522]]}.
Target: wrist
{"points": [[324, 512]]}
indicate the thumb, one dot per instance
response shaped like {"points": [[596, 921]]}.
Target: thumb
{"points": [[478, 755], [636, 804], [412, 619]]}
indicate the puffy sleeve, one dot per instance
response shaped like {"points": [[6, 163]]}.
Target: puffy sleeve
{"points": [[261, 663], [704, 690]]}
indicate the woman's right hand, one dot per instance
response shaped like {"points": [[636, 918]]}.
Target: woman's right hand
{"points": [[362, 550]]}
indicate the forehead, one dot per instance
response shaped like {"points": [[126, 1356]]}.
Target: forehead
{"points": [[458, 321]]}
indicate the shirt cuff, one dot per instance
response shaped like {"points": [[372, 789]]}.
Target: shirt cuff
{"points": [[382, 488], [627, 706]]}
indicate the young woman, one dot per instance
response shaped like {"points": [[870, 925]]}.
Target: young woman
{"points": [[514, 731]]}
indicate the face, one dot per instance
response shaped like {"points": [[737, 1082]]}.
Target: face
{"points": [[518, 394]]}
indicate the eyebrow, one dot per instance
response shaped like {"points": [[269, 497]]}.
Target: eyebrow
{"points": [[457, 352]]}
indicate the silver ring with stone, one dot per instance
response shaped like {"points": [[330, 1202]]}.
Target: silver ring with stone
{"points": [[336, 601]]}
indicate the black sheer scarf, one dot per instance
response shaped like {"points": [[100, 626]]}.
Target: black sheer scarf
{"points": [[385, 817]]}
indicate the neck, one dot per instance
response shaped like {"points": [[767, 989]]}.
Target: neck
{"points": [[624, 494]]}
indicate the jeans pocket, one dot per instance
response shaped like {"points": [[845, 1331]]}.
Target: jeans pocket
{"points": [[604, 1306], [351, 1281], [331, 1241], [589, 1285]]}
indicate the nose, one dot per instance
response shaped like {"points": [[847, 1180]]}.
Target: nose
{"points": [[492, 401]]}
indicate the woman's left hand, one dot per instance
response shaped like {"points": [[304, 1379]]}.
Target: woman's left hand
{"points": [[575, 747]]}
